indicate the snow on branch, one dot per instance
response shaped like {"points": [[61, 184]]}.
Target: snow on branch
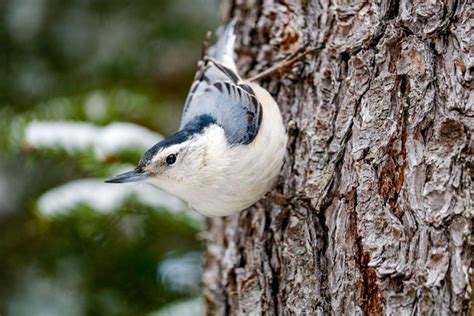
{"points": [[75, 137], [106, 198]]}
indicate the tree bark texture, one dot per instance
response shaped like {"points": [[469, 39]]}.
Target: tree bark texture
{"points": [[379, 165]]}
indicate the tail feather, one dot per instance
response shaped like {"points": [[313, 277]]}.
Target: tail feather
{"points": [[223, 50]]}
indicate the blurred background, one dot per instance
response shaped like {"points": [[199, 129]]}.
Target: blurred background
{"points": [[85, 87]]}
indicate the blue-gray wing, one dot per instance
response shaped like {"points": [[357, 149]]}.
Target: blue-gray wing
{"points": [[218, 91]]}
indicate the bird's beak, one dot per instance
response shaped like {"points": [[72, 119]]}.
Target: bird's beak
{"points": [[131, 176]]}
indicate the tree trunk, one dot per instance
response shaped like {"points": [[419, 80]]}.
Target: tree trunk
{"points": [[378, 169]]}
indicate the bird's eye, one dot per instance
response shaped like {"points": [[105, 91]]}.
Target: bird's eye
{"points": [[171, 159]]}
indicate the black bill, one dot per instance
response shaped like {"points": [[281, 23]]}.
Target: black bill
{"points": [[131, 176]]}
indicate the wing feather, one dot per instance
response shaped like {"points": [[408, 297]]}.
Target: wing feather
{"points": [[219, 92]]}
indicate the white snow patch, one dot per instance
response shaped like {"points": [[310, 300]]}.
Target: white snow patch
{"points": [[190, 307], [106, 198], [182, 273], [78, 136], [117, 137], [70, 136]]}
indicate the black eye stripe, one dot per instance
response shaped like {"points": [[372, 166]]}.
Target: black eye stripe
{"points": [[171, 159]]}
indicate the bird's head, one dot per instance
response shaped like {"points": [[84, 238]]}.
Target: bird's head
{"points": [[177, 160]]}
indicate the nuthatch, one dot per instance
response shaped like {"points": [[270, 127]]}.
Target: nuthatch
{"points": [[230, 146]]}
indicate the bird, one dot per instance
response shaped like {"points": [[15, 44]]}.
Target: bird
{"points": [[231, 143]]}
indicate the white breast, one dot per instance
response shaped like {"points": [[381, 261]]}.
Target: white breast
{"points": [[238, 177]]}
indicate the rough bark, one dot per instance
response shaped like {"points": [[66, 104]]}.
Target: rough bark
{"points": [[379, 164]]}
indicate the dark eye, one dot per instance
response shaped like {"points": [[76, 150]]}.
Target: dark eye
{"points": [[171, 159]]}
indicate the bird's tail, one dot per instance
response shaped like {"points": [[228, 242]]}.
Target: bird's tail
{"points": [[223, 49]]}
